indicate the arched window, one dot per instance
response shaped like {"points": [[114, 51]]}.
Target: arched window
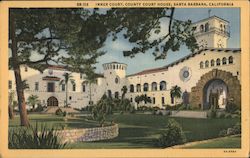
{"points": [[224, 61], [225, 29], [212, 63], [154, 86], [163, 85], [201, 64], [230, 60], [109, 93], [73, 87], [116, 95], [83, 87], [114, 67], [201, 28], [221, 27], [131, 88], [138, 87], [206, 27], [218, 62], [207, 63], [145, 87]]}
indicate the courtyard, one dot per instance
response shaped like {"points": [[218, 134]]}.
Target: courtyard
{"points": [[140, 130]]}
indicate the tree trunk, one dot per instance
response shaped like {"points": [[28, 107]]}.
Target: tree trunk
{"points": [[90, 93], [66, 95], [11, 113], [16, 67]]}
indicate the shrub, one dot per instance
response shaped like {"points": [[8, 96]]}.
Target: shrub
{"points": [[212, 113], [160, 113], [228, 115], [237, 128], [39, 108], [59, 112], [173, 135], [231, 107], [31, 138], [223, 133], [221, 115]]}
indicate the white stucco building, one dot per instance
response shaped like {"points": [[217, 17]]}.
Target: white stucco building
{"points": [[210, 76]]}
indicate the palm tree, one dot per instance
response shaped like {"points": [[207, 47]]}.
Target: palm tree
{"points": [[90, 79], [124, 91], [175, 92], [67, 77], [33, 100]]}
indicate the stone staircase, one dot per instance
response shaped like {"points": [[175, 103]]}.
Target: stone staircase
{"points": [[189, 114]]}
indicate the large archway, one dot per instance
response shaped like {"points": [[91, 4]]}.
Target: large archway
{"points": [[52, 101], [215, 94], [199, 96]]}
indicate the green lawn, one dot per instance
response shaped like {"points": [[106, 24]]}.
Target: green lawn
{"points": [[229, 142], [139, 130], [55, 121]]}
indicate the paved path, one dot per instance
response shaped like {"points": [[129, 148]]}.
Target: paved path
{"points": [[189, 114]]}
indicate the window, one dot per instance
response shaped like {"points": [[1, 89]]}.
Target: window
{"points": [[50, 71], [81, 76], [201, 64], [36, 86], [172, 99], [163, 85], [116, 95], [224, 61], [51, 87], [117, 67], [70, 98], [63, 87], [145, 87], [131, 100], [206, 27], [207, 63], [10, 84], [162, 100], [109, 93], [201, 28], [153, 100], [154, 86], [221, 27], [83, 87], [138, 87], [131, 88], [230, 60], [73, 87], [212, 63], [218, 62], [117, 80], [113, 66], [26, 68]]}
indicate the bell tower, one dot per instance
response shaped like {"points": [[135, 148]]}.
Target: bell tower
{"points": [[212, 32]]}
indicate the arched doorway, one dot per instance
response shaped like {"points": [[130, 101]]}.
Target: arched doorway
{"points": [[231, 87], [52, 101], [215, 94]]}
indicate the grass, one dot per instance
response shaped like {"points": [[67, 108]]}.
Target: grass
{"points": [[139, 130], [229, 142], [57, 122]]}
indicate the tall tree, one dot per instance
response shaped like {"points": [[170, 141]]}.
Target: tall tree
{"points": [[175, 92], [67, 77], [40, 37], [91, 78], [11, 102], [140, 25]]}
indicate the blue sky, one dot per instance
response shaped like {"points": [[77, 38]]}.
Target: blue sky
{"points": [[146, 61]]}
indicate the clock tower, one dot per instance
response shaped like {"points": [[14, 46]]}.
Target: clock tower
{"points": [[212, 32]]}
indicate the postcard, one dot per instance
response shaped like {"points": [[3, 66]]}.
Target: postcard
{"points": [[124, 79]]}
